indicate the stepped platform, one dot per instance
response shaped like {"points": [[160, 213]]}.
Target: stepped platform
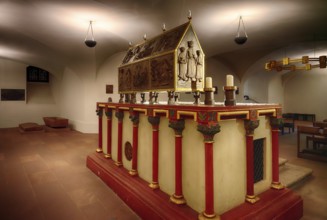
{"points": [[291, 175], [155, 204]]}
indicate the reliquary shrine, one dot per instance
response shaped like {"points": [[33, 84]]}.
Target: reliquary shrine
{"points": [[180, 160], [172, 61]]}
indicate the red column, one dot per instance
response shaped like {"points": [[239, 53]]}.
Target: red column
{"points": [[178, 166], [208, 134], [178, 126], [135, 119], [249, 169], [155, 151], [99, 113], [274, 123], [120, 116], [109, 128], [250, 125]]}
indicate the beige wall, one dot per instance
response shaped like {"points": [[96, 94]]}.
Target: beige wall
{"points": [[305, 92], [73, 92], [40, 100]]}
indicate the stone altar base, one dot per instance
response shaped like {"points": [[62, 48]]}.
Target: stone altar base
{"points": [[135, 192], [273, 204], [154, 204]]}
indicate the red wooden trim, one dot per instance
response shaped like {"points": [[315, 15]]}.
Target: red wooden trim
{"points": [[192, 107], [196, 108]]}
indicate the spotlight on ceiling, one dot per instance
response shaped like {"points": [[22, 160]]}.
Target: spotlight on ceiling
{"points": [[241, 39], [89, 40]]}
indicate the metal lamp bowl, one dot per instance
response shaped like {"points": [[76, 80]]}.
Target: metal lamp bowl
{"points": [[240, 40], [90, 43]]}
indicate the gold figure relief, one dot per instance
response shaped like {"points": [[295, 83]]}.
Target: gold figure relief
{"points": [[162, 72], [168, 62], [140, 74]]}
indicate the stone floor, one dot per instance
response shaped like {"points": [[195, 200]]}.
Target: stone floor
{"points": [[43, 176], [314, 189]]}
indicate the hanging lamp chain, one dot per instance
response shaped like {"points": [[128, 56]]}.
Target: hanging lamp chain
{"points": [[239, 27], [88, 31]]}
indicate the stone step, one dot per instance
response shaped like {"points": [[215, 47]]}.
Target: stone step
{"points": [[282, 161], [290, 175]]}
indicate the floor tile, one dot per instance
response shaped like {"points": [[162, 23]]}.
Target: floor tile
{"points": [[46, 177]]}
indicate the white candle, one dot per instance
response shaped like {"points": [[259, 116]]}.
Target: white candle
{"points": [[229, 80], [208, 82]]}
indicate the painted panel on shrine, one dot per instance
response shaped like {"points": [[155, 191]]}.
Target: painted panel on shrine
{"points": [[172, 61]]}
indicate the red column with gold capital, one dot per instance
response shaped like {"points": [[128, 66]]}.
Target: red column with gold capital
{"points": [[154, 121], [108, 113], [250, 125], [120, 116], [178, 126], [275, 124], [134, 116], [209, 132], [99, 112]]}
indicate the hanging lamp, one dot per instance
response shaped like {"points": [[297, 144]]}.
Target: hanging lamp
{"points": [[89, 39], [241, 39]]}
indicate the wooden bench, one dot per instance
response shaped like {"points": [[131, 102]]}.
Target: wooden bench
{"points": [[56, 122], [288, 122], [30, 126]]}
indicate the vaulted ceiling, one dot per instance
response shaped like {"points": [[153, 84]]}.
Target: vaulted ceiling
{"points": [[50, 33]]}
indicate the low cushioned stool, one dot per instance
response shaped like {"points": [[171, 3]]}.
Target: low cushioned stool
{"points": [[55, 122], [30, 126]]}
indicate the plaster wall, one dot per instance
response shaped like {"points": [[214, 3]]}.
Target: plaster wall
{"points": [[39, 102], [305, 92]]}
